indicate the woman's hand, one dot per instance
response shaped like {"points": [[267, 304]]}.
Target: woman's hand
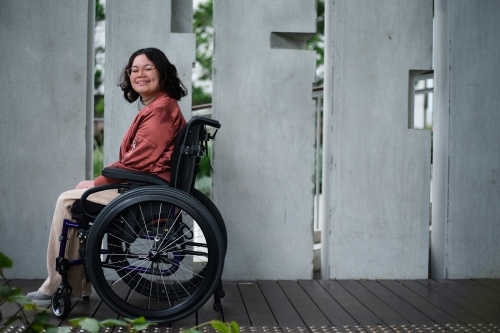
{"points": [[85, 184]]}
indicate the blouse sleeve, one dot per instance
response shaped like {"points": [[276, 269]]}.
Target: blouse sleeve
{"points": [[155, 133]]}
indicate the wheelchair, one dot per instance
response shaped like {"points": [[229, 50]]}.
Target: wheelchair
{"points": [[157, 250]]}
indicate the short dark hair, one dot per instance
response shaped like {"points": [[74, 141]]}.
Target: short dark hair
{"points": [[169, 80]]}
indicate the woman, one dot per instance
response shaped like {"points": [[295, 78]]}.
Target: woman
{"points": [[147, 146]]}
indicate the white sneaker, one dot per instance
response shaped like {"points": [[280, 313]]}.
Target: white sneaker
{"points": [[39, 298]]}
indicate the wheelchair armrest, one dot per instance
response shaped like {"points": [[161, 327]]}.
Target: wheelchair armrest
{"points": [[134, 176], [95, 189]]}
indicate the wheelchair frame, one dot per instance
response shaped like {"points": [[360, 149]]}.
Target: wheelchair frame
{"points": [[116, 231]]}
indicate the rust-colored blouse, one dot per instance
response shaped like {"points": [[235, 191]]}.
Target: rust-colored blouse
{"points": [[148, 144]]}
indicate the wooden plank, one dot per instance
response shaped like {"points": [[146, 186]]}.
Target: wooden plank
{"points": [[470, 294], [444, 304], [490, 293], [490, 283], [233, 308], [283, 310], [335, 313], [355, 308], [85, 308], [421, 304], [187, 322], [310, 314], [258, 310], [469, 305], [406, 310], [207, 313], [373, 303]]}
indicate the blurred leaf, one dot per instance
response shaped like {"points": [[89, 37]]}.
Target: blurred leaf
{"points": [[139, 320], [112, 322], [142, 326], [5, 291], [220, 326], [235, 328], [5, 262], [19, 299], [37, 327], [42, 317], [89, 324], [190, 330]]}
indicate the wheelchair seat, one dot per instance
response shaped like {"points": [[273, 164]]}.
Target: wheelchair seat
{"points": [[157, 250]]}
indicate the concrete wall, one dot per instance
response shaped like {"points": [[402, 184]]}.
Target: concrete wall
{"points": [[466, 190], [45, 102], [264, 153], [167, 26], [380, 169]]}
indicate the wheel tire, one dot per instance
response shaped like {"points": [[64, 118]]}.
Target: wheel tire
{"points": [[215, 213], [156, 253], [61, 304]]}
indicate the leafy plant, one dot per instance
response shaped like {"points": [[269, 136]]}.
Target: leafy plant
{"points": [[220, 326], [35, 321]]}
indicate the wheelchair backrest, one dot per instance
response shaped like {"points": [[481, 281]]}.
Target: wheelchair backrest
{"points": [[189, 148]]}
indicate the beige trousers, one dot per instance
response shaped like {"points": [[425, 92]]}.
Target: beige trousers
{"points": [[76, 276]]}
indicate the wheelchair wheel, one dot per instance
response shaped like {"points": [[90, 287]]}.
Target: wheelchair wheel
{"points": [[61, 304], [146, 250], [215, 213]]}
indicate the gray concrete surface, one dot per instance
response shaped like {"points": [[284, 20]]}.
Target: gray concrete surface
{"points": [[264, 154], [466, 191], [380, 169], [44, 93], [132, 25]]}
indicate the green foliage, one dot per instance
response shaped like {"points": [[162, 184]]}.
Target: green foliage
{"points": [[220, 326], [37, 322], [199, 96], [93, 326], [316, 43], [99, 107], [98, 159], [203, 28], [100, 14]]}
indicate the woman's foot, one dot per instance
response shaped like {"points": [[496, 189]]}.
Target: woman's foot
{"points": [[40, 298]]}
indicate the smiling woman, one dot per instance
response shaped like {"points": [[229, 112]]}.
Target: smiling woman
{"points": [[147, 72], [147, 146]]}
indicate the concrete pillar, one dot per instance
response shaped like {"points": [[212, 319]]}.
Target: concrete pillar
{"points": [[380, 169], [130, 25], [466, 181], [264, 153], [46, 92]]}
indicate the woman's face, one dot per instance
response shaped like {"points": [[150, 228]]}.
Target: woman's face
{"points": [[144, 78]]}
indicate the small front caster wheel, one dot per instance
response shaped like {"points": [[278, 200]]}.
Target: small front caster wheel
{"points": [[217, 307], [222, 293], [61, 304]]}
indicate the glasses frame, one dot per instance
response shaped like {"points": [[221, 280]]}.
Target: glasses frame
{"points": [[141, 70]]}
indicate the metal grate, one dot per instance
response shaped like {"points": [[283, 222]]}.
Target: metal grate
{"points": [[457, 328]]}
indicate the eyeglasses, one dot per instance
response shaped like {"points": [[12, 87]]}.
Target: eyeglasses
{"points": [[134, 71]]}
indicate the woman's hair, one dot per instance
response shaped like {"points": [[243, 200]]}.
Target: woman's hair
{"points": [[169, 81]]}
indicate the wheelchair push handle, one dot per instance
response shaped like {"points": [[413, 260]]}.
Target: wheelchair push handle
{"points": [[205, 121]]}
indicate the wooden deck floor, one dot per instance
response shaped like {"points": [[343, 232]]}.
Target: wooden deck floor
{"points": [[333, 306]]}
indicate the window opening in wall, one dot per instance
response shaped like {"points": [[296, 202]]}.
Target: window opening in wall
{"points": [[421, 96]]}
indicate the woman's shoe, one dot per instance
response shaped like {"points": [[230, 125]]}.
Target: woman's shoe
{"points": [[39, 298]]}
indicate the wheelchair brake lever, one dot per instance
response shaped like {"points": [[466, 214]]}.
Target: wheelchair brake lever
{"points": [[211, 137]]}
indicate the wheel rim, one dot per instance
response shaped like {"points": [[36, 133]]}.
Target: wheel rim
{"points": [[60, 304], [165, 248]]}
